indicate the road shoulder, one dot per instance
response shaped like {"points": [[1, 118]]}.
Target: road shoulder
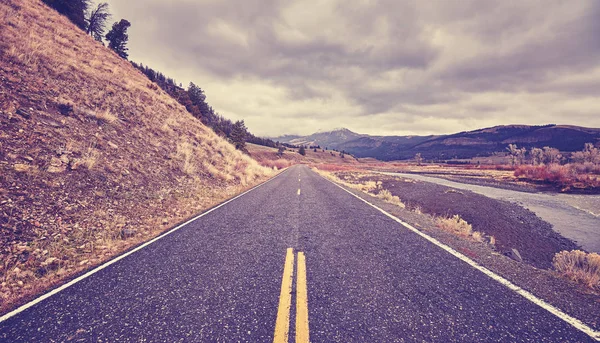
{"points": [[573, 299]]}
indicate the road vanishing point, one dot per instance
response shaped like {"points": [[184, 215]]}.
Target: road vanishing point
{"points": [[296, 259]]}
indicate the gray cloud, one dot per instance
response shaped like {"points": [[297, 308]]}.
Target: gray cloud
{"points": [[379, 67]]}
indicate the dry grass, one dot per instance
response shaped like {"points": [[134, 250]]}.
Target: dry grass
{"points": [[458, 226], [455, 225], [579, 266], [105, 116], [370, 187], [389, 197], [90, 157], [127, 157], [185, 152]]}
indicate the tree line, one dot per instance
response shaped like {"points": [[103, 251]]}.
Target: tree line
{"points": [[547, 155], [194, 100], [94, 20]]}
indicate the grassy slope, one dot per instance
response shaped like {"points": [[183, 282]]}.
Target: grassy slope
{"points": [[268, 157], [79, 187]]}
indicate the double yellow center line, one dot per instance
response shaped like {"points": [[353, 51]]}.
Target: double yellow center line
{"points": [[282, 324]]}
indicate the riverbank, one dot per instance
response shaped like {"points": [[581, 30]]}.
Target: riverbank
{"points": [[576, 217]]}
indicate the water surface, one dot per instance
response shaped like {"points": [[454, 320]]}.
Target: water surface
{"points": [[574, 216]]}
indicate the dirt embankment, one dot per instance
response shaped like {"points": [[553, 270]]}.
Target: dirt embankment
{"points": [[511, 225], [94, 158]]}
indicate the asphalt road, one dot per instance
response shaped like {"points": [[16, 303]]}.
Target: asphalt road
{"points": [[219, 279]]}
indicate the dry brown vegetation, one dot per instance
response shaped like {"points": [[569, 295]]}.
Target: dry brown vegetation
{"points": [[581, 175], [455, 224], [579, 266], [93, 157], [459, 227], [567, 177]]}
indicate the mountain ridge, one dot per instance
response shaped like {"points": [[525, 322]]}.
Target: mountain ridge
{"points": [[464, 144]]}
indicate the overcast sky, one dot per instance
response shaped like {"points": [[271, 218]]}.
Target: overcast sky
{"points": [[377, 67]]}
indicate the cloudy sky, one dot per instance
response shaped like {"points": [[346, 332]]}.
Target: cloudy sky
{"points": [[377, 67]]}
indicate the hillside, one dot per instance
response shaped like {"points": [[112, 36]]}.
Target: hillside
{"points": [[469, 144], [94, 158], [268, 157]]}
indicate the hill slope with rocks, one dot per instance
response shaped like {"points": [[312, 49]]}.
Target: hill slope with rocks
{"points": [[94, 158]]}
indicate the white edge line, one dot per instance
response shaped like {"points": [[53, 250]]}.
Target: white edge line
{"points": [[576, 323], [120, 257]]}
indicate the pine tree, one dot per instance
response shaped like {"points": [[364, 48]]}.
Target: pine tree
{"points": [[238, 135], [196, 93], [96, 21], [73, 9], [117, 38], [302, 151]]}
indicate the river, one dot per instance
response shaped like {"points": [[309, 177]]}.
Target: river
{"points": [[574, 216]]}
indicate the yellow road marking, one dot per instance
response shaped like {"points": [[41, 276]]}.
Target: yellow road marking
{"points": [[302, 335], [298, 191], [282, 324]]}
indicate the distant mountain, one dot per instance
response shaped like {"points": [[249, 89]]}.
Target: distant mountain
{"points": [[468, 144], [331, 139], [284, 138]]}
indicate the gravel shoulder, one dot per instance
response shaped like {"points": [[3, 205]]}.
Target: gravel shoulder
{"points": [[514, 227], [511, 225]]}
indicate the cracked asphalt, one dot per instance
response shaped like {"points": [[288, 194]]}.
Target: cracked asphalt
{"points": [[218, 279]]}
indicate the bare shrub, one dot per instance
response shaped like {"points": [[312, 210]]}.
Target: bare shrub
{"points": [[537, 156], [589, 154], [579, 266]]}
